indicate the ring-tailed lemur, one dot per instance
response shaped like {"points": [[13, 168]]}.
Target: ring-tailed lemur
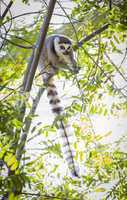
{"points": [[57, 54]]}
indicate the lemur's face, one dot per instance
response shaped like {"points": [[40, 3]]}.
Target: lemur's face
{"points": [[64, 51], [65, 48]]}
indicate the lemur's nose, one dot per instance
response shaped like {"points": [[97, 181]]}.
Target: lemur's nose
{"points": [[66, 52]]}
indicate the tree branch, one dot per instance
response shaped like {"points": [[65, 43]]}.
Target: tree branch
{"points": [[29, 80], [31, 69], [15, 44], [28, 121], [40, 46], [6, 10], [89, 37]]}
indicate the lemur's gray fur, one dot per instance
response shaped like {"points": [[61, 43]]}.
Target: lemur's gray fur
{"points": [[56, 55]]}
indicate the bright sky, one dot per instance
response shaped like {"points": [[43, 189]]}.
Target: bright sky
{"points": [[19, 8]]}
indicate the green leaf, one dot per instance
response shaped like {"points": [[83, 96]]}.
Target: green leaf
{"points": [[100, 189], [12, 196], [11, 160], [14, 166]]}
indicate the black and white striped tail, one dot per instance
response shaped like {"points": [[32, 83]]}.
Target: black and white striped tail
{"points": [[63, 135]]}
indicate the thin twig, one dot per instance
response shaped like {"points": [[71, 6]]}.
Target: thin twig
{"points": [[123, 57], [20, 38], [17, 16], [117, 69], [102, 70], [47, 196], [69, 20], [15, 44]]}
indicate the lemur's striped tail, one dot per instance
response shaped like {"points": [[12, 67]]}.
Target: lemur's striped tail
{"points": [[63, 135]]}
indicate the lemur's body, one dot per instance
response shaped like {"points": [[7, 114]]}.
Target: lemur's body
{"points": [[57, 54]]}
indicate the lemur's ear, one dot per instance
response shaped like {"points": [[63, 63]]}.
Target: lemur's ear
{"points": [[56, 40]]}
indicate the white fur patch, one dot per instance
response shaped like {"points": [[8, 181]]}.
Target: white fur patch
{"points": [[56, 44]]}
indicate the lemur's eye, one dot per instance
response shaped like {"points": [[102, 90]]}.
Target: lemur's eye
{"points": [[62, 47], [69, 48]]}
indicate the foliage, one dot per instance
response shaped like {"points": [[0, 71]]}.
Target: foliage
{"points": [[103, 166]]}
